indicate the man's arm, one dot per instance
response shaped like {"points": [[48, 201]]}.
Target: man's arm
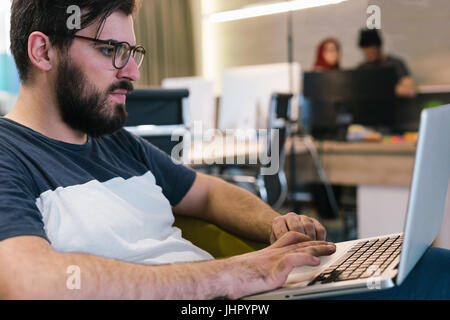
{"points": [[239, 211], [406, 87], [31, 269]]}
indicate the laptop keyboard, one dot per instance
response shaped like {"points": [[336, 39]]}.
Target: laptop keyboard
{"points": [[363, 260]]}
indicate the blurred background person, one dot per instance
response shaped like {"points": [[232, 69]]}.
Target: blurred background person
{"points": [[371, 45], [328, 55], [327, 58]]}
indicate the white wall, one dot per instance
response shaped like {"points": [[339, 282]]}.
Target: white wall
{"points": [[4, 25], [419, 31], [416, 30]]}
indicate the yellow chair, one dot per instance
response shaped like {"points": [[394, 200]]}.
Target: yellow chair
{"points": [[218, 242]]}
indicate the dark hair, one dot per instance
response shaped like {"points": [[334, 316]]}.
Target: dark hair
{"points": [[369, 38], [320, 60], [50, 17]]}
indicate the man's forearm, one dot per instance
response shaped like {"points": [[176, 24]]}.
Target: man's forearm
{"points": [[103, 278], [31, 269], [239, 211], [405, 87]]}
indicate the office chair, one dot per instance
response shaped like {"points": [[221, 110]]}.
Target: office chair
{"points": [[271, 188], [160, 116]]}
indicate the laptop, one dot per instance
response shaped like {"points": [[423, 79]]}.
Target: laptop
{"points": [[384, 262]]}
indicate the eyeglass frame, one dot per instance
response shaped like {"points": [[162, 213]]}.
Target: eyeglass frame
{"points": [[115, 44]]}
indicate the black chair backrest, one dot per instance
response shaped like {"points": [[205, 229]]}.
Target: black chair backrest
{"points": [[279, 117], [155, 106], [160, 107]]}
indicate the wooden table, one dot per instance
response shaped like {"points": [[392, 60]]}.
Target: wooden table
{"points": [[356, 163], [345, 163], [225, 150]]}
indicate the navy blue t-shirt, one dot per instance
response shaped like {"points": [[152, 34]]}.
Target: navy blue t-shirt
{"points": [[112, 196], [399, 66]]}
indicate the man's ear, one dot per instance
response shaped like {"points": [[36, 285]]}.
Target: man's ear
{"points": [[40, 51]]}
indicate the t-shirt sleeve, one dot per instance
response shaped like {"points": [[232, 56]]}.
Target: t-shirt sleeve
{"points": [[401, 69], [19, 215], [174, 178]]}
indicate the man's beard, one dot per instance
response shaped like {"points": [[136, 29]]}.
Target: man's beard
{"points": [[83, 107]]}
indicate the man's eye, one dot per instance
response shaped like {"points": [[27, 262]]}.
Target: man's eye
{"points": [[107, 51]]}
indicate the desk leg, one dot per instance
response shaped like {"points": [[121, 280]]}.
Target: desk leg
{"points": [[380, 209]]}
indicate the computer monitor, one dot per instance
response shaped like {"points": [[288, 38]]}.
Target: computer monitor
{"points": [[247, 92], [201, 101], [155, 114], [332, 100], [156, 107]]}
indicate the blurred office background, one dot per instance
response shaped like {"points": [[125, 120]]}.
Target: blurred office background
{"points": [[9, 80], [183, 42], [187, 44], [226, 74]]}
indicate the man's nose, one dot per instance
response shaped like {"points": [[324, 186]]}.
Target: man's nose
{"points": [[130, 71]]}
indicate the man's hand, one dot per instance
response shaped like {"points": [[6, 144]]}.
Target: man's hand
{"points": [[406, 88], [44, 276], [299, 223], [269, 268]]}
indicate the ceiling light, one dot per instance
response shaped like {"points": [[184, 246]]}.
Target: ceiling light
{"points": [[268, 9]]}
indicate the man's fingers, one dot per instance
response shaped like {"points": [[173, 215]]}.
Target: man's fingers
{"points": [[309, 227], [293, 260], [279, 227], [307, 257], [298, 223], [290, 238], [311, 243], [320, 249], [294, 223], [321, 232]]}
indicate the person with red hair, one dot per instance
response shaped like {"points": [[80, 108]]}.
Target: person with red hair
{"points": [[328, 54]]}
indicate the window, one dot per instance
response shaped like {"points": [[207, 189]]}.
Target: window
{"points": [[9, 80]]}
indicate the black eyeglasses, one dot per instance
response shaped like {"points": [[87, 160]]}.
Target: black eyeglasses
{"points": [[121, 51]]}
